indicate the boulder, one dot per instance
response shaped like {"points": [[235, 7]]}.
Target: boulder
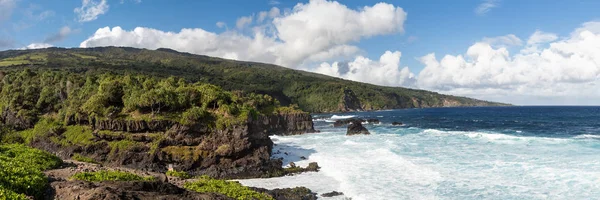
{"points": [[298, 193], [397, 124], [332, 194], [356, 129], [312, 167]]}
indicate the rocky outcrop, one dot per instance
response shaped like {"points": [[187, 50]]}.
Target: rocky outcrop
{"points": [[284, 124], [349, 102], [298, 193], [133, 126], [239, 151], [11, 118], [397, 124], [357, 129], [124, 190], [332, 194], [344, 122]]}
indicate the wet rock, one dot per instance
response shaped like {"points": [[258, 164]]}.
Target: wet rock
{"points": [[123, 190], [298, 193], [397, 124], [312, 167], [302, 157], [332, 194], [356, 129]]}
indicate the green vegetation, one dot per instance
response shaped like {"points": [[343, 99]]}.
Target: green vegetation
{"points": [[235, 190], [6, 194], [21, 170], [311, 92], [60, 98], [180, 174], [82, 158], [106, 175]]}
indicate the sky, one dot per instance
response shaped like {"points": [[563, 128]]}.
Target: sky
{"points": [[534, 52]]}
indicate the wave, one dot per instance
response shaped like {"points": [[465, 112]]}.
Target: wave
{"points": [[587, 136], [342, 116]]}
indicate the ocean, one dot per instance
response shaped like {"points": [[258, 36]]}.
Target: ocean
{"points": [[451, 153]]}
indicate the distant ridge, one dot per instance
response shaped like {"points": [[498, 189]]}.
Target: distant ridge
{"points": [[310, 91]]}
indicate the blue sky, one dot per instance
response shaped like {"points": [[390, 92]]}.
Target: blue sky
{"points": [[430, 27]]}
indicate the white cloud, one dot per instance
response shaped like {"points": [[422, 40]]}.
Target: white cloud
{"points": [[243, 21], [386, 71], [274, 2], [486, 6], [539, 37], [90, 10], [309, 33], [221, 25], [569, 67], [37, 46], [503, 41], [61, 35], [6, 9], [274, 12]]}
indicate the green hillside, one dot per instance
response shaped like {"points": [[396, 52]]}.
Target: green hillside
{"points": [[311, 92]]}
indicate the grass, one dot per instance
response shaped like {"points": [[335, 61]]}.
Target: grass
{"points": [[82, 158], [235, 190], [21, 170], [43, 127], [108, 175], [182, 152], [123, 145], [180, 174]]}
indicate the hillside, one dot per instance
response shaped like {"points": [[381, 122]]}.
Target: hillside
{"points": [[311, 92]]}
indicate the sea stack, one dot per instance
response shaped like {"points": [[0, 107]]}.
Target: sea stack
{"points": [[356, 128]]}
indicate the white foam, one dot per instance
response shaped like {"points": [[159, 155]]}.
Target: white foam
{"points": [[587, 136], [342, 116], [397, 163]]}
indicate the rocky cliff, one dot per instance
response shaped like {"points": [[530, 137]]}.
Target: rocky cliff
{"points": [[240, 151]]}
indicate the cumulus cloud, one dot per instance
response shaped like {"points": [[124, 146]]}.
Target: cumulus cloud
{"points": [[503, 41], [486, 6], [310, 32], [569, 67], [37, 46], [386, 71], [61, 35], [90, 10], [274, 12], [6, 9]]}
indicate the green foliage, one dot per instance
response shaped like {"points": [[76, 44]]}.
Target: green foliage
{"points": [[194, 115], [163, 93], [82, 158], [180, 174], [42, 128], [6, 194], [21, 170], [231, 189], [106, 175]]}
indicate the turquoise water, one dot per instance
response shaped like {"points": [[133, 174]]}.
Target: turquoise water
{"points": [[457, 153]]}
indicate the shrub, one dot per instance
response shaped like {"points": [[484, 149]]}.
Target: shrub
{"points": [[235, 190], [109, 175], [9, 194], [180, 174], [21, 170]]}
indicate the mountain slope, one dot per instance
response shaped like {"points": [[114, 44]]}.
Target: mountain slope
{"points": [[312, 92]]}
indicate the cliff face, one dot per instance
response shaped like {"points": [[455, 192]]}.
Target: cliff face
{"points": [[11, 118], [242, 151], [283, 124]]}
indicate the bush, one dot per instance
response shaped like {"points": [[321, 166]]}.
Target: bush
{"points": [[21, 170], [9, 194], [235, 190], [180, 174], [106, 175]]}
